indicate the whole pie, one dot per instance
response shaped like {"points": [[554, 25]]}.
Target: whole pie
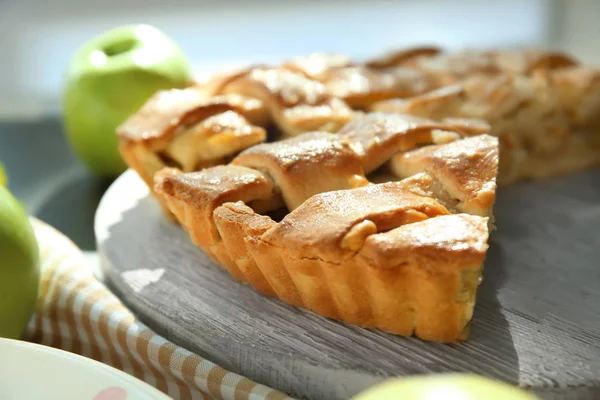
{"points": [[364, 191]]}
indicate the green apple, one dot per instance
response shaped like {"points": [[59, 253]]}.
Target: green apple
{"points": [[19, 267], [445, 387], [108, 79], [3, 178]]}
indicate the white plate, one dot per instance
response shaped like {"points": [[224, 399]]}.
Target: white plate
{"points": [[30, 371]]}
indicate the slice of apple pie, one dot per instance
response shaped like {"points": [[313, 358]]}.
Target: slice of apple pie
{"points": [[403, 256]]}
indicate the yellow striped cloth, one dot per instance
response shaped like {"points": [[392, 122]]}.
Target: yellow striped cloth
{"points": [[77, 313]]}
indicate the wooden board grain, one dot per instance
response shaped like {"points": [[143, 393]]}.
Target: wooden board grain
{"points": [[536, 323]]}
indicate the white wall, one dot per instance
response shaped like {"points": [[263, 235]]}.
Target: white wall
{"points": [[578, 28], [38, 37]]}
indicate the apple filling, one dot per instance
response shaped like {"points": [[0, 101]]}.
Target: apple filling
{"points": [[212, 140]]}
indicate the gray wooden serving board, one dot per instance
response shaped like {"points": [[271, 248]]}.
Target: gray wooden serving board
{"points": [[536, 323]]}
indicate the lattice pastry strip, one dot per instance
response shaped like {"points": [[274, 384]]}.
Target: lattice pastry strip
{"points": [[296, 103], [452, 66], [544, 120], [320, 158], [466, 170], [404, 57], [376, 137], [188, 129], [317, 65], [361, 85]]}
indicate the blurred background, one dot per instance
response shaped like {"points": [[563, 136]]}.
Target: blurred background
{"points": [[37, 39]]}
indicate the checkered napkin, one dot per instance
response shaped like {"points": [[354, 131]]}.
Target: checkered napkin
{"points": [[77, 313]]}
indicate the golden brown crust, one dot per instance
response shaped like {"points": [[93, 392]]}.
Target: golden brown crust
{"points": [[436, 104], [462, 63], [404, 57], [578, 92], [170, 109], [530, 60], [377, 136], [184, 128], [141, 159], [236, 222], [319, 158], [361, 86], [338, 161], [212, 140], [427, 274], [208, 189], [427, 291], [451, 68], [213, 85], [149, 138], [581, 151], [324, 223], [296, 103], [316, 65], [536, 117], [466, 170], [324, 254], [444, 243]]}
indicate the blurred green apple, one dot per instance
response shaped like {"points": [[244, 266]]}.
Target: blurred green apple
{"points": [[445, 387], [3, 178], [19, 267], [110, 78]]}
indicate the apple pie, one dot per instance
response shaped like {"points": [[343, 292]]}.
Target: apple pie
{"points": [[404, 256], [364, 191]]}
